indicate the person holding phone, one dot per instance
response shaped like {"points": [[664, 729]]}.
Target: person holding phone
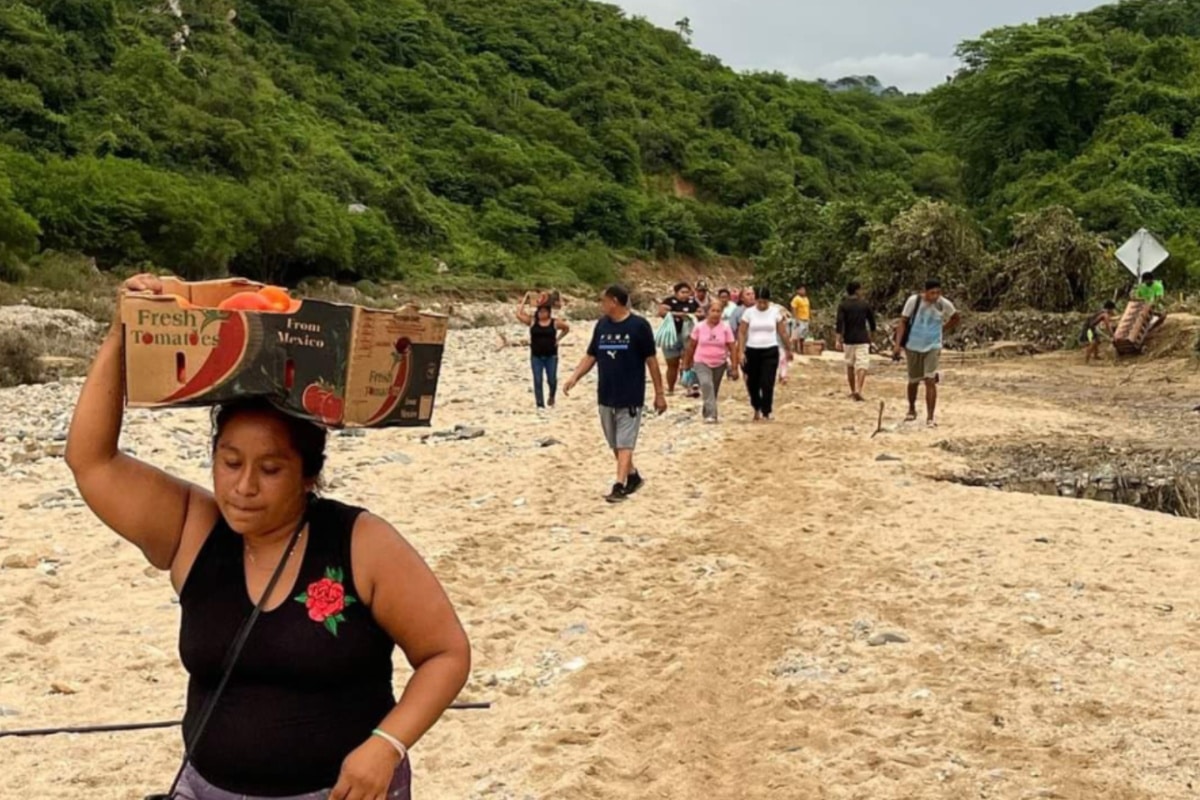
{"points": [[623, 349]]}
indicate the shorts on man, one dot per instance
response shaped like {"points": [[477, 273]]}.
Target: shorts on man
{"points": [[621, 426], [858, 356], [923, 366], [799, 329]]}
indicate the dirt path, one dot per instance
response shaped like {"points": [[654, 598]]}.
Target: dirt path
{"points": [[710, 638]]}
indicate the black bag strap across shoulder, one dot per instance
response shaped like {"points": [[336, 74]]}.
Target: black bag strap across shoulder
{"points": [[232, 656]]}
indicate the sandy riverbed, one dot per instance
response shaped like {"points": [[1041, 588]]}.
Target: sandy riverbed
{"points": [[709, 639]]}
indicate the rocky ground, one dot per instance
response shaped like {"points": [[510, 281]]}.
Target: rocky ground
{"points": [[792, 610]]}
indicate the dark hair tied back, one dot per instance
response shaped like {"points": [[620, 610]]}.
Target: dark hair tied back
{"points": [[307, 439]]}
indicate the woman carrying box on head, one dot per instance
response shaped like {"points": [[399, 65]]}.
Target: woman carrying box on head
{"points": [[545, 334], [308, 709]]}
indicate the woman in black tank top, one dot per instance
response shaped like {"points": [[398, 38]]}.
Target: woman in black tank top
{"points": [[545, 332], [309, 710]]}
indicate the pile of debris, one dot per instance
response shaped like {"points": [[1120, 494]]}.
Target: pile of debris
{"points": [[1035, 331], [1165, 480]]}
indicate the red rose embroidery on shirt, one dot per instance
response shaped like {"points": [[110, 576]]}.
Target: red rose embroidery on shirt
{"points": [[326, 599]]}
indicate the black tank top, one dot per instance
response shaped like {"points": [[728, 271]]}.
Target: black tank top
{"points": [[301, 697], [543, 339]]}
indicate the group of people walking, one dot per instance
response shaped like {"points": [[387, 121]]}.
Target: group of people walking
{"points": [[735, 335]]}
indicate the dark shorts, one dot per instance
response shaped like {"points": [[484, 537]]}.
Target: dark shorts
{"points": [[193, 787], [923, 366]]}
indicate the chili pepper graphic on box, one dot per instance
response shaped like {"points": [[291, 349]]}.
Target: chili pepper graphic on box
{"points": [[339, 365]]}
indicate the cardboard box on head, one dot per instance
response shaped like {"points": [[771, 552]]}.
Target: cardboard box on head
{"points": [[549, 297], [335, 364]]}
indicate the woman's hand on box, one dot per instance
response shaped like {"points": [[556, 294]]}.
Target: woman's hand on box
{"points": [[143, 283]]}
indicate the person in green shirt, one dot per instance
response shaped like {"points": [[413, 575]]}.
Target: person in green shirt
{"points": [[1151, 292]]}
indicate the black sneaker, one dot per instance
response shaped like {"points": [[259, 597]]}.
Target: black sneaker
{"points": [[618, 494], [633, 483]]}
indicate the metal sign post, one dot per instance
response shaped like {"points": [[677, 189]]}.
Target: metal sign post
{"points": [[1142, 254]]}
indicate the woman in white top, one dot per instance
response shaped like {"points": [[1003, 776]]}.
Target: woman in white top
{"points": [[759, 334]]}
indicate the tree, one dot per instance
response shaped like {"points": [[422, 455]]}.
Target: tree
{"points": [[684, 26], [813, 243], [1054, 264], [930, 240], [18, 235]]}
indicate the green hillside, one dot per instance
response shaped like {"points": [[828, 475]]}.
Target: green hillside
{"points": [[495, 136], [539, 139], [1099, 112]]}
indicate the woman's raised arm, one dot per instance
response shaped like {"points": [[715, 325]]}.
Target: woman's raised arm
{"points": [[141, 503]]}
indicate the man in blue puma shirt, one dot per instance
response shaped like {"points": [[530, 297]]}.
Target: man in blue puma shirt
{"points": [[623, 348]]}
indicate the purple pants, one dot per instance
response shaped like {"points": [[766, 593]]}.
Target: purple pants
{"points": [[194, 787]]}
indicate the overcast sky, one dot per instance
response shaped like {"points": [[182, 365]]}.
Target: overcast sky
{"points": [[903, 43]]}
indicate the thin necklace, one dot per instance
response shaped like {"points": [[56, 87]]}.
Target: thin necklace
{"points": [[250, 551]]}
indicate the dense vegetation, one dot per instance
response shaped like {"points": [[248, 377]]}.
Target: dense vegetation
{"points": [[370, 137], [535, 139]]}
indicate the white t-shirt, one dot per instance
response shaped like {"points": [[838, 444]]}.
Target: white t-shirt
{"points": [[763, 327]]}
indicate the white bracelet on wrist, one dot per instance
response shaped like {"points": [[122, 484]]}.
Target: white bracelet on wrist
{"points": [[393, 741]]}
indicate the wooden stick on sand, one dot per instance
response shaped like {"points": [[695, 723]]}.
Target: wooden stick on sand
{"points": [[879, 425]]}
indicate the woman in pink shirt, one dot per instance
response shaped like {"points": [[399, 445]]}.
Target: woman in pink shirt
{"points": [[710, 352]]}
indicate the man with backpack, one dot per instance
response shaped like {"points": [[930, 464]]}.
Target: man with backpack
{"points": [[925, 319]]}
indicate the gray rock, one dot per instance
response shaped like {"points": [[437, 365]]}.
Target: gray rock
{"points": [[460, 433], [398, 458], [548, 441], [504, 676], [9, 711], [888, 637], [887, 457], [578, 629], [612, 540]]}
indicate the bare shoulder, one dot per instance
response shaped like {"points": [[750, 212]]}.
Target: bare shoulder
{"points": [[380, 553], [372, 531]]}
